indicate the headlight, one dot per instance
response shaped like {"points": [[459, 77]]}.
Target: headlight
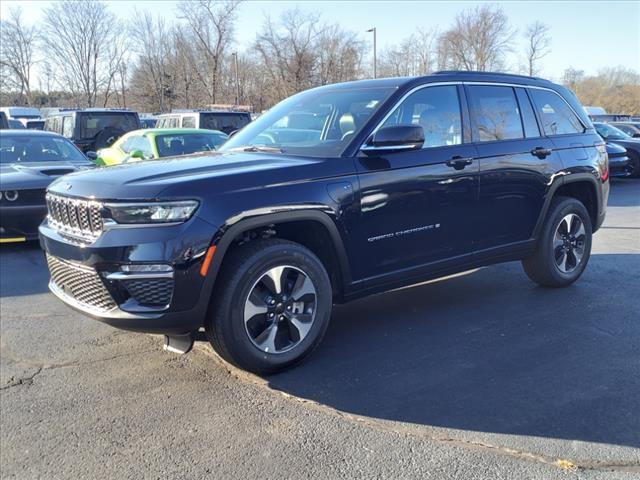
{"points": [[160, 212]]}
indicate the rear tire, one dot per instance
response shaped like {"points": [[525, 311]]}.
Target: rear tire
{"points": [[272, 306], [564, 245]]}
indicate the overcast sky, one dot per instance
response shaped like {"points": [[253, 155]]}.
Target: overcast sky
{"points": [[586, 35]]}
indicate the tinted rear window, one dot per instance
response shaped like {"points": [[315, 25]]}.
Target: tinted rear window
{"points": [[556, 116], [91, 124], [495, 114], [226, 122]]}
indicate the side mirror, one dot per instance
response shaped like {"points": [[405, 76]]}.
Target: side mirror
{"points": [[395, 138], [136, 154], [91, 155]]}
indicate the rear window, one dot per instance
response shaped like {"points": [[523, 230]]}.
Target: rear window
{"points": [[556, 116], [187, 143], [91, 124], [495, 114], [226, 122], [24, 148]]}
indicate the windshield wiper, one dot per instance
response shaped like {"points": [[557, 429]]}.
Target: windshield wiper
{"points": [[258, 148]]}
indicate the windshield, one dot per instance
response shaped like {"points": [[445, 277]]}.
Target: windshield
{"points": [[316, 123], [186, 143], [23, 149], [610, 133], [91, 124]]}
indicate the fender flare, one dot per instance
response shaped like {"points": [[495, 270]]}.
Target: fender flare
{"points": [[230, 232], [565, 180]]}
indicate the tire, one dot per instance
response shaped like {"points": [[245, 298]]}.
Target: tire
{"points": [[551, 265], [245, 335], [635, 164]]}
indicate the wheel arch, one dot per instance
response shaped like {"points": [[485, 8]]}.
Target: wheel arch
{"points": [[320, 235], [581, 186]]}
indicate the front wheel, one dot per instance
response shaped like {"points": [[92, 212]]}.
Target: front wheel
{"points": [[272, 307], [564, 245]]}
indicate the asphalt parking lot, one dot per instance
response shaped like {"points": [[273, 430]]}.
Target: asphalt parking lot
{"points": [[483, 375]]}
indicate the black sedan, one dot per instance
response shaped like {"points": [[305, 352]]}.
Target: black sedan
{"points": [[611, 134], [29, 161], [619, 162]]}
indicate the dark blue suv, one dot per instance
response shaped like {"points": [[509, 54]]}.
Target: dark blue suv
{"points": [[335, 193]]}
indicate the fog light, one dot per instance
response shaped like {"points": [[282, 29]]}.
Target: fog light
{"points": [[141, 268]]}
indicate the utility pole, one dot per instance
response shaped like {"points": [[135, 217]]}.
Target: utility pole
{"points": [[375, 72], [235, 59]]}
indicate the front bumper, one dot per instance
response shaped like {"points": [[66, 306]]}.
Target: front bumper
{"points": [[20, 222], [90, 278], [620, 166]]}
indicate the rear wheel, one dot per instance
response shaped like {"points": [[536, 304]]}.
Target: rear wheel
{"points": [[564, 246], [272, 308]]}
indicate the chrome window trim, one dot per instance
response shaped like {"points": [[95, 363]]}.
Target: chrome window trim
{"points": [[470, 83]]}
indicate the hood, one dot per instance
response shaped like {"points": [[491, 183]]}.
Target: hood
{"points": [[613, 149], [149, 179], [20, 176]]}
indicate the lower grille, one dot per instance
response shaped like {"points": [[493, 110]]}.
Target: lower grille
{"points": [[154, 293], [81, 283]]}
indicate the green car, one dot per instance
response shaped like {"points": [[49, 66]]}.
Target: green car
{"points": [[154, 143]]}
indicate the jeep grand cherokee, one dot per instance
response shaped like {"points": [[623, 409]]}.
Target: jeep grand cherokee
{"points": [[336, 193]]}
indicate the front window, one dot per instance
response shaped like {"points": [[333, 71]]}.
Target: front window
{"points": [[316, 123], [609, 132], [91, 124], [187, 143], [24, 149]]}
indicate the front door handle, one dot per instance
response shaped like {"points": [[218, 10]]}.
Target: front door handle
{"points": [[459, 162], [541, 152]]}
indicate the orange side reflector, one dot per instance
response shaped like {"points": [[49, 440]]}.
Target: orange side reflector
{"points": [[207, 260]]}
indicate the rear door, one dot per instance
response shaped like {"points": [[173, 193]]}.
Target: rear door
{"points": [[516, 164]]}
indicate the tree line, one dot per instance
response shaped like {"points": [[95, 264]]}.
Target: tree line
{"points": [[86, 56]]}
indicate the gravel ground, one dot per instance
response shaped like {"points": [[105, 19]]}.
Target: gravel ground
{"points": [[482, 375]]}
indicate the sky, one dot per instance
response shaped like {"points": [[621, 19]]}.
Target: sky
{"points": [[586, 35]]}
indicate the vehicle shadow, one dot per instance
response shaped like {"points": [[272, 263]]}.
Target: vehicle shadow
{"points": [[22, 270], [627, 192], [489, 351]]}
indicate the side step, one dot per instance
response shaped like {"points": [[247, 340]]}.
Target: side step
{"points": [[180, 344]]}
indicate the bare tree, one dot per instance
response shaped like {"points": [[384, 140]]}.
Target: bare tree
{"points": [[211, 23], [478, 40], [87, 43], [17, 51], [538, 45]]}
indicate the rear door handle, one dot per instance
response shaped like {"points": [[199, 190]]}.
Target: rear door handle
{"points": [[541, 152], [459, 162]]}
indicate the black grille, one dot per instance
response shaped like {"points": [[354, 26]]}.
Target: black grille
{"points": [[155, 293], [75, 217], [81, 283]]}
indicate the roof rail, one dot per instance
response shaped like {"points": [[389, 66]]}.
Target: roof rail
{"points": [[472, 72]]}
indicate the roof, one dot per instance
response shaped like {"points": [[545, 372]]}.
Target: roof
{"points": [[187, 112], [25, 132], [154, 132]]}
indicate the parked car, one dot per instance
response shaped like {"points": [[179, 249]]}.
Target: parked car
{"points": [[391, 184], [614, 135], [224, 121], [158, 143], [94, 128], [15, 124], [620, 164], [4, 121], [21, 114], [29, 161], [630, 128]]}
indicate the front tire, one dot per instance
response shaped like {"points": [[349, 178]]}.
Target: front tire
{"points": [[564, 245], [272, 306]]}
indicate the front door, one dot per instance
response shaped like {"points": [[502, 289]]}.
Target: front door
{"points": [[416, 207]]}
